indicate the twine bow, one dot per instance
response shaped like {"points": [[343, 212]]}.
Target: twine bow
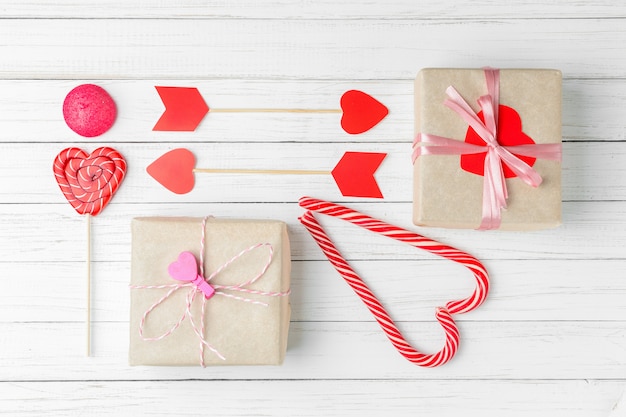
{"points": [[495, 191], [190, 274]]}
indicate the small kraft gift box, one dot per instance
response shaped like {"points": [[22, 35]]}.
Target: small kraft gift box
{"points": [[209, 291], [487, 150]]}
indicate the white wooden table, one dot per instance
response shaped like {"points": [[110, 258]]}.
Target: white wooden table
{"points": [[551, 338]]}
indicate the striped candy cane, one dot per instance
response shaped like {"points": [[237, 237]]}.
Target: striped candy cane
{"points": [[442, 314]]}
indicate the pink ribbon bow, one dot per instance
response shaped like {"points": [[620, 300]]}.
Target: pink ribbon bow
{"points": [[185, 270], [495, 191]]}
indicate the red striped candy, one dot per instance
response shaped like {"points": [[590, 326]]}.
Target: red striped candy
{"points": [[442, 314], [89, 181]]}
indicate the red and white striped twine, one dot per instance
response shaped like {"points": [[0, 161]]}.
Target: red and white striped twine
{"points": [[442, 314]]}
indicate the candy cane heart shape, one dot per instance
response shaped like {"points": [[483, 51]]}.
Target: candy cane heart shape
{"points": [[88, 182], [442, 314]]}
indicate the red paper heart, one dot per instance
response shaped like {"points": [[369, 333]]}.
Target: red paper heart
{"points": [[88, 182], [174, 170], [509, 134], [361, 112]]}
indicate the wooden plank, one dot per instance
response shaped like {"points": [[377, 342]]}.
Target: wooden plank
{"points": [[520, 290], [322, 9], [30, 110], [340, 49], [312, 398], [591, 172], [45, 232], [338, 350]]}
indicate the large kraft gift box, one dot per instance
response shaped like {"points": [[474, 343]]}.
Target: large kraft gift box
{"points": [[445, 195], [242, 332]]}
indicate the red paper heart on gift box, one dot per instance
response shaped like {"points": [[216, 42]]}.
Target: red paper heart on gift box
{"points": [[88, 182], [174, 170], [509, 134], [361, 112]]}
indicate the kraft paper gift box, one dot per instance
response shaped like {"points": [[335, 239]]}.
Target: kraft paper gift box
{"points": [[242, 332], [446, 195]]}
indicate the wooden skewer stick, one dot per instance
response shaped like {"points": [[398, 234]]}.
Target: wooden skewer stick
{"points": [[88, 318], [260, 171], [269, 110]]}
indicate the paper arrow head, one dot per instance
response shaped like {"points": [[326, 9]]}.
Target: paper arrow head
{"points": [[361, 112], [184, 109], [174, 170], [354, 174]]}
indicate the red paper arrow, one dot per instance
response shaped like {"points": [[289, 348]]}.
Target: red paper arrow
{"points": [[353, 174], [184, 109]]}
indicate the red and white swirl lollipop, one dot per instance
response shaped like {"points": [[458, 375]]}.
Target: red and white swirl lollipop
{"points": [[88, 182]]}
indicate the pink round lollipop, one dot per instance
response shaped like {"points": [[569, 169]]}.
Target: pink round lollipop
{"points": [[89, 110]]}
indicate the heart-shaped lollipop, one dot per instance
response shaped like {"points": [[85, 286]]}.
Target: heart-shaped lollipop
{"points": [[88, 182]]}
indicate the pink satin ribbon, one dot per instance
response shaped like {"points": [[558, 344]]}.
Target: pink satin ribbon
{"points": [[495, 191], [201, 285]]}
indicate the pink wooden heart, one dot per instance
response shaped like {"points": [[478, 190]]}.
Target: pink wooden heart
{"points": [[174, 170], [184, 268], [361, 112]]}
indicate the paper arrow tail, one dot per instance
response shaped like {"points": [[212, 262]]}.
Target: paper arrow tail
{"points": [[354, 174], [184, 109]]}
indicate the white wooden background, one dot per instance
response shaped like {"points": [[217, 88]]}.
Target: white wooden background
{"points": [[551, 338]]}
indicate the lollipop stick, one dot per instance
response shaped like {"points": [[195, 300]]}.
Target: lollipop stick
{"points": [[88, 318]]}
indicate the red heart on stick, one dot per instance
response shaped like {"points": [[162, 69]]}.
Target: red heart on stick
{"points": [[509, 134], [174, 170], [89, 181], [361, 112]]}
